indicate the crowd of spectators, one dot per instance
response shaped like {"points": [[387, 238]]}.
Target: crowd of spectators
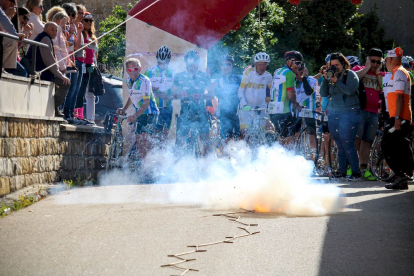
{"points": [[67, 62]]}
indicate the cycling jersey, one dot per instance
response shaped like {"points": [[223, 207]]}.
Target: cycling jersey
{"points": [[386, 87], [399, 84], [225, 88], [252, 90], [163, 80], [304, 100], [283, 81], [140, 90]]}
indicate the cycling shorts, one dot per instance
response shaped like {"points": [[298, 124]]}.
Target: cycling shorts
{"points": [[143, 121], [165, 117], [284, 124], [229, 124], [196, 118], [246, 118]]}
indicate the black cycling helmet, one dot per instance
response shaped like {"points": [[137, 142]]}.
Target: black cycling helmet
{"points": [[293, 54], [192, 54], [163, 54], [227, 58]]}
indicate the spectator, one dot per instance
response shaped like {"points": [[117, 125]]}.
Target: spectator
{"points": [[81, 9], [59, 43], [91, 55], [395, 144], [7, 11], [35, 7], [74, 37], [343, 112], [371, 77], [45, 58], [52, 11]]}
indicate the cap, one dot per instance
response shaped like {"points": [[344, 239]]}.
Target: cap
{"points": [[397, 52], [87, 15]]}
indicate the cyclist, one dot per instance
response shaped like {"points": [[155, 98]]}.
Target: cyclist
{"points": [[162, 77], [353, 61], [283, 96], [193, 87], [143, 101], [225, 88], [254, 90]]}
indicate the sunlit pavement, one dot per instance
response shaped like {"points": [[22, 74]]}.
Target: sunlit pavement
{"points": [[131, 230]]}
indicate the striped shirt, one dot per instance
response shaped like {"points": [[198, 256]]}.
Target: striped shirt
{"points": [[283, 80], [163, 80]]}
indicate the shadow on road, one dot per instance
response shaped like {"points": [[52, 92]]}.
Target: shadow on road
{"points": [[375, 239]]}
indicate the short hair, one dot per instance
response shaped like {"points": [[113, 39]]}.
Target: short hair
{"points": [[133, 60], [342, 59], [375, 52], [60, 16]]}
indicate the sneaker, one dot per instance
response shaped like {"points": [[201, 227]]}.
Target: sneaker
{"points": [[349, 171], [390, 179], [338, 175], [400, 183], [367, 175], [354, 177]]}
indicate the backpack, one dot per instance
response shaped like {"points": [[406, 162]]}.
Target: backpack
{"points": [[362, 95]]}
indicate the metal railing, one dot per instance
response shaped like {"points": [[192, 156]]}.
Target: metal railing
{"points": [[35, 44]]}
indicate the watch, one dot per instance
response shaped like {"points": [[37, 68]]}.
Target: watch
{"points": [[397, 117]]}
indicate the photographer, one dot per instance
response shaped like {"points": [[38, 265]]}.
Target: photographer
{"points": [[341, 85]]}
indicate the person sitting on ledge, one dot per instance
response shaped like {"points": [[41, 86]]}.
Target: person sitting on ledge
{"points": [[45, 57]]}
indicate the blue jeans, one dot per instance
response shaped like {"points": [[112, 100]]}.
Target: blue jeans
{"points": [[343, 126], [75, 82], [18, 71], [368, 126]]}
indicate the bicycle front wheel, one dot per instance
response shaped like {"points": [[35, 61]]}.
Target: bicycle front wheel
{"points": [[333, 155], [377, 162], [115, 152], [307, 145]]}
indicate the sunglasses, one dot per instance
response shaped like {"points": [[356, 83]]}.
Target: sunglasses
{"points": [[376, 61], [88, 20], [25, 18], [41, 6], [132, 69], [72, 15], [226, 64]]}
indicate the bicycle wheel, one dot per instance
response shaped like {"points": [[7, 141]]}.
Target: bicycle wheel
{"points": [[377, 162], [133, 160], [333, 155], [115, 152], [306, 145]]}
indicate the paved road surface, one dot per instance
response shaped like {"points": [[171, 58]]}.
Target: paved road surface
{"points": [[130, 230]]}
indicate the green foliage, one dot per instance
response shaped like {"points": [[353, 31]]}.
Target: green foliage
{"points": [[4, 210], [112, 46]]}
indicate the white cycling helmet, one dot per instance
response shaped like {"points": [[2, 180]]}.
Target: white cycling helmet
{"points": [[405, 61], [353, 60], [261, 57], [163, 54]]}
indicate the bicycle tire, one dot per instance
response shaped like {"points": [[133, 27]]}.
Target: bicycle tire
{"points": [[304, 147], [115, 152], [333, 154], [379, 167], [133, 160]]}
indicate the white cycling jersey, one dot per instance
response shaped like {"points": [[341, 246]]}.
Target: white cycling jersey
{"points": [[252, 90]]}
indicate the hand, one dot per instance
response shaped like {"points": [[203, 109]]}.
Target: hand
{"points": [[72, 28], [247, 108], [397, 124], [66, 80], [334, 78], [79, 27], [28, 28], [298, 106], [267, 100], [21, 36], [368, 63], [120, 111], [322, 69], [324, 75], [63, 71], [378, 71], [131, 118], [305, 72]]}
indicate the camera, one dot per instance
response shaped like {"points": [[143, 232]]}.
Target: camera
{"points": [[330, 72]]}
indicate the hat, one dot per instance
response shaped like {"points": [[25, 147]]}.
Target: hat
{"points": [[87, 15], [397, 52]]}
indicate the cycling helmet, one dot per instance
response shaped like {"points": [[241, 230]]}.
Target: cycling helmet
{"points": [[328, 58], [405, 62], [353, 60], [163, 54], [293, 54], [261, 57], [227, 58], [192, 54]]}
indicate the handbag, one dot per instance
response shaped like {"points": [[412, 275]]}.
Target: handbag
{"points": [[96, 85]]}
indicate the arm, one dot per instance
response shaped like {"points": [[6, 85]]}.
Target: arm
{"points": [[141, 110], [48, 59], [351, 85], [242, 88], [324, 88], [78, 39], [6, 24], [308, 89]]}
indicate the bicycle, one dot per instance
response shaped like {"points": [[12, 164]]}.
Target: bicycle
{"points": [[117, 140], [256, 136], [379, 167]]}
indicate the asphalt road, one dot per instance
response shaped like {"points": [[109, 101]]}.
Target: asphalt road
{"points": [[131, 230]]}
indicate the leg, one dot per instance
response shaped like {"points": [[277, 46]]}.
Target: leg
{"points": [[60, 93], [90, 106], [333, 123]]}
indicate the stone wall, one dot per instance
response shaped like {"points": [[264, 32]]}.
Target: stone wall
{"points": [[42, 151]]}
